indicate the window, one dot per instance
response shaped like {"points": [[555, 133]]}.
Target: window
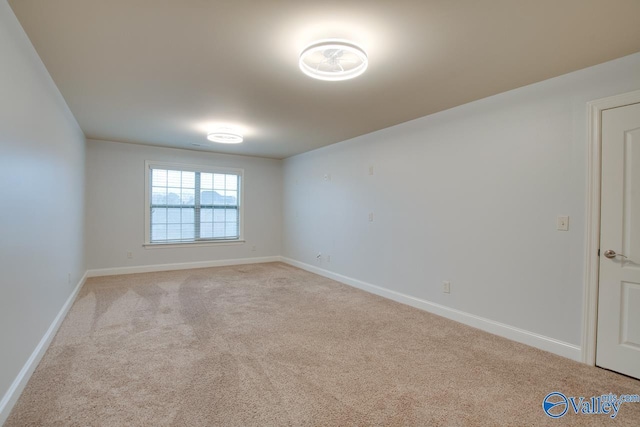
{"points": [[189, 204]]}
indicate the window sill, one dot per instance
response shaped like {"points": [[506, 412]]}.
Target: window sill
{"points": [[192, 244]]}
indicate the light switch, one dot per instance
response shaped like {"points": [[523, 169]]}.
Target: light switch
{"points": [[563, 223]]}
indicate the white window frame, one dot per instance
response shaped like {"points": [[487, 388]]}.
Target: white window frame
{"points": [[148, 165]]}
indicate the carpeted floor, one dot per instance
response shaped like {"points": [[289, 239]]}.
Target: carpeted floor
{"points": [[273, 345]]}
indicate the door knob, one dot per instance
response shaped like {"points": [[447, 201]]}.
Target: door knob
{"points": [[609, 253]]}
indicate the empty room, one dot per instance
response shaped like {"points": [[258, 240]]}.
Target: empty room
{"points": [[336, 213]]}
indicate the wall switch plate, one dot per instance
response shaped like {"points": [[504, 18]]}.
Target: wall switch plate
{"points": [[563, 223], [370, 216], [327, 177], [446, 287]]}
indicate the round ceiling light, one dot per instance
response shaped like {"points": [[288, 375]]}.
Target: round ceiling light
{"points": [[225, 136], [333, 60]]}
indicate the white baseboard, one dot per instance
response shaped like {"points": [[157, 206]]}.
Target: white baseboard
{"points": [[11, 396], [178, 266], [542, 342]]}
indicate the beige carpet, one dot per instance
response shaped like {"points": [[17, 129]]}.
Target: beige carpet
{"points": [[272, 345]]}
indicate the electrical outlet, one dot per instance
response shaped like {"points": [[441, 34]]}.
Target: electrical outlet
{"points": [[253, 248], [446, 287], [129, 255], [562, 223]]}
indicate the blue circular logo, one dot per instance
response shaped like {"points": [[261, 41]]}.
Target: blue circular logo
{"points": [[555, 404]]}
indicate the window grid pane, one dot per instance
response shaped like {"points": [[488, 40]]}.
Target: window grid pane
{"points": [[177, 215]]}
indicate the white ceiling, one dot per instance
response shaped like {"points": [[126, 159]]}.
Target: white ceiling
{"points": [[163, 72]]}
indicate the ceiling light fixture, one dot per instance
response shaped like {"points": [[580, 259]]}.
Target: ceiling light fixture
{"points": [[333, 60], [225, 136]]}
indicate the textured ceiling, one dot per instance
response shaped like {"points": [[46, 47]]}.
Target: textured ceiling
{"points": [[163, 72]]}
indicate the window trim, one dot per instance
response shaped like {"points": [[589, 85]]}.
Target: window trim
{"points": [[149, 164]]}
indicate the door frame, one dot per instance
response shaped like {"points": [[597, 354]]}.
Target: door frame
{"points": [[592, 240]]}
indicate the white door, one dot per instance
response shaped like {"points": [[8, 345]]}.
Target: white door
{"points": [[618, 340]]}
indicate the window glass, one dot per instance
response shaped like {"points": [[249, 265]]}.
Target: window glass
{"points": [[190, 205]]}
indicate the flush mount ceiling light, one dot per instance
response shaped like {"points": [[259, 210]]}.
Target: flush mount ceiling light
{"points": [[225, 136], [333, 60]]}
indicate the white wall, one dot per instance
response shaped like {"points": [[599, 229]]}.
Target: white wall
{"points": [[41, 199], [468, 195], [115, 206]]}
